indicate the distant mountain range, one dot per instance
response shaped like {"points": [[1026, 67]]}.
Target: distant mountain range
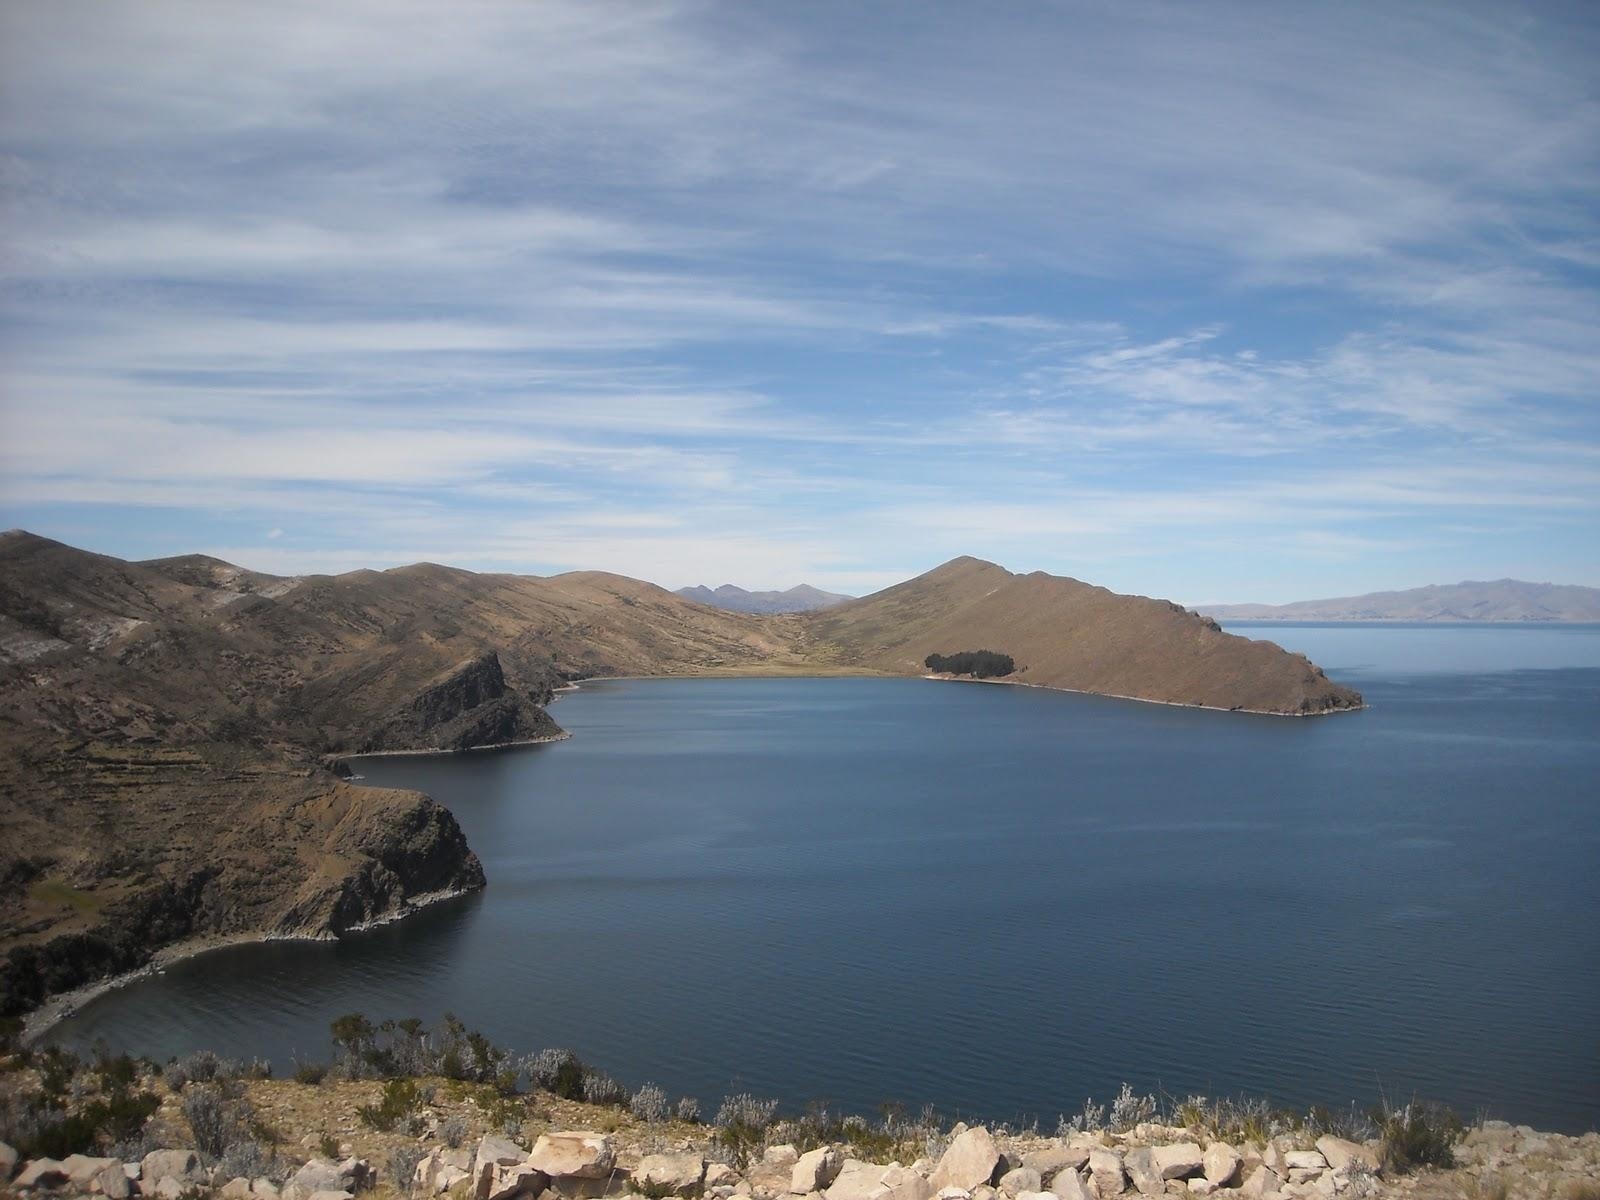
{"points": [[803, 598], [1497, 600]]}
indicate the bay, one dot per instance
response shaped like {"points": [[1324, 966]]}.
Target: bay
{"points": [[1001, 900]]}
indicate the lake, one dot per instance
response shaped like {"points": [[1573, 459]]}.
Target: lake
{"points": [[1002, 900]]}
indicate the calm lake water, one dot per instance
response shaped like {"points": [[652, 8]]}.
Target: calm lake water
{"points": [[1002, 900]]}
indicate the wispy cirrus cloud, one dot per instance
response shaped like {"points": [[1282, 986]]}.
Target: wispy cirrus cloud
{"points": [[701, 291]]}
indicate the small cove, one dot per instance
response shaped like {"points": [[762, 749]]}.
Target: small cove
{"points": [[1001, 900]]}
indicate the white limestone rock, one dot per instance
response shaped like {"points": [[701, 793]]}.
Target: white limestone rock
{"points": [[681, 1174], [1142, 1169], [182, 1165], [1106, 1175], [1263, 1181], [1305, 1160], [41, 1172], [1178, 1161], [856, 1180], [1219, 1164], [1068, 1184], [1052, 1160], [1342, 1154], [578, 1154], [1018, 1180], [968, 1163], [815, 1170]]}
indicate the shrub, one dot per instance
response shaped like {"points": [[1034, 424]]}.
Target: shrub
{"points": [[248, 1159], [328, 1145], [310, 1072], [600, 1088], [217, 1118], [687, 1109], [203, 1066], [1128, 1110], [1090, 1117], [1419, 1134], [453, 1130], [742, 1122], [399, 1101], [560, 1072], [403, 1162], [649, 1104]]}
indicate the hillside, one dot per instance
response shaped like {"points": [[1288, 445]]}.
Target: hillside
{"points": [[1067, 634], [169, 729], [1497, 600], [802, 598]]}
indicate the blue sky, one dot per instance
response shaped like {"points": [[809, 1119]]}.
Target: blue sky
{"points": [[1220, 302]]}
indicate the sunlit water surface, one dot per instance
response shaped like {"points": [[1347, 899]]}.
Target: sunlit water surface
{"points": [[1002, 900]]}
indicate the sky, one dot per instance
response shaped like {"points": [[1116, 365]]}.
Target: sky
{"points": [[1222, 302]]}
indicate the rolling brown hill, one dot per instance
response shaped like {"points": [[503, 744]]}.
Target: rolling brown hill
{"points": [[170, 730], [1067, 634]]}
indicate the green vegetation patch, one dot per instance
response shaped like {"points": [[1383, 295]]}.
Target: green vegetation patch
{"points": [[57, 893], [980, 664]]}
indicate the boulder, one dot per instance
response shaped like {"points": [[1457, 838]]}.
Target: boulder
{"points": [[1201, 1186], [783, 1155], [1263, 1181], [1069, 1185], [722, 1175], [8, 1161], [579, 1154], [495, 1151], [1305, 1160], [112, 1181], [1179, 1161], [264, 1189], [1106, 1176], [856, 1180], [1141, 1167], [80, 1169], [437, 1173], [681, 1174], [968, 1163], [902, 1183], [1052, 1160], [501, 1181], [954, 1193], [1018, 1180], [815, 1170], [331, 1195], [235, 1189], [1220, 1163], [41, 1172], [1342, 1154], [182, 1165]]}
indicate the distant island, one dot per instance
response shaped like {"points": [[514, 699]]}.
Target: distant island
{"points": [[803, 598], [173, 732], [1496, 600]]}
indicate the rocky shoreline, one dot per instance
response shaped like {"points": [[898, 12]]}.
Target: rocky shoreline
{"points": [[39, 1021], [1255, 712], [462, 1144]]}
